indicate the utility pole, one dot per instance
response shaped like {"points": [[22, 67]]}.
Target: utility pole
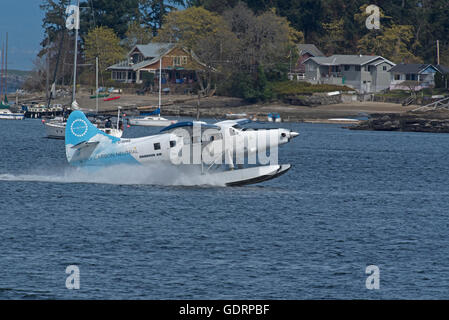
{"points": [[76, 53], [438, 52], [47, 77]]}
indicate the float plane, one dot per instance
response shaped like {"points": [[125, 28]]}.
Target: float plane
{"points": [[225, 150]]}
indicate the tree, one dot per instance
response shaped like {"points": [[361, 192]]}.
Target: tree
{"points": [[218, 6], [262, 46], [189, 26], [154, 11], [114, 14], [263, 40], [203, 32], [334, 40], [393, 43], [137, 34], [102, 42], [53, 21], [304, 15]]}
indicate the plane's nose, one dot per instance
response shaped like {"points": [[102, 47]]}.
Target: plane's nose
{"points": [[293, 134]]}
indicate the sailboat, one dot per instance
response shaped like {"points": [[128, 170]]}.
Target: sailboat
{"points": [[5, 112], [153, 119], [55, 129]]}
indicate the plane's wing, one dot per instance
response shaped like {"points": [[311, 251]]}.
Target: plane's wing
{"points": [[189, 125], [231, 123]]}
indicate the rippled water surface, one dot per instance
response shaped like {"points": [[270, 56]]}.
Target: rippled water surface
{"points": [[351, 200]]}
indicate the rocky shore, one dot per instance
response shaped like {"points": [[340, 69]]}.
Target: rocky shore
{"points": [[430, 121]]}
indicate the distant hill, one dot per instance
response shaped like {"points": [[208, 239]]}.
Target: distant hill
{"points": [[21, 73], [16, 78]]}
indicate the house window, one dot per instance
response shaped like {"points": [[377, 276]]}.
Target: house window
{"points": [[347, 67], [358, 68], [179, 60], [136, 58], [385, 68], [157, 146], [397, 77]]}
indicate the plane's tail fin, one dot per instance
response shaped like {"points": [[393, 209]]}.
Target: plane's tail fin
{"points": [[79, 129]]}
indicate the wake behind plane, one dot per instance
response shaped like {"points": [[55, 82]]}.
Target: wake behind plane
{"points": [[225, 150]]}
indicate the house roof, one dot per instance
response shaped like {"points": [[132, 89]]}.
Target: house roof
{"points": [[442, 69], [337, 60], [153, 49], [304, 48], [410, 68], [152, 52]]}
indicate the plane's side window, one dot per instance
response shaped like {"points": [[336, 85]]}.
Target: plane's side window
{"points": [[172, 144], [157, 146]]}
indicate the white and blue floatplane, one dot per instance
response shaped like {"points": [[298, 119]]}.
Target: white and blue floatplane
{"points": [[219, 144]]}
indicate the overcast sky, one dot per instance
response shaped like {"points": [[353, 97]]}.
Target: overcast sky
{"points": [[22, 19]]}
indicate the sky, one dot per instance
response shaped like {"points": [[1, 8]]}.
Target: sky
{"points": [[22, 19]]}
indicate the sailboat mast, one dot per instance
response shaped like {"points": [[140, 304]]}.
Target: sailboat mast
{"points": [[6, 65], [1, 71], [160, 85], [96, 84], [76, 54]]}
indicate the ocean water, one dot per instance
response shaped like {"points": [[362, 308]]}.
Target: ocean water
{"points": [[352, 199]]}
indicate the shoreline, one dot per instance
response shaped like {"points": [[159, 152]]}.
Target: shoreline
{"points": [[219, 107]]}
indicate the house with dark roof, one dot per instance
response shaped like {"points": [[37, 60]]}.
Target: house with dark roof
{"points": [[413, 76], [305, 51], [365, 74], [442, 69], [179, 65]]}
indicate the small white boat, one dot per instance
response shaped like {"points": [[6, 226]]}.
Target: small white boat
{"points": [[236, 115], [8, 115], [151, 121], [56, 130], [344, 120]]}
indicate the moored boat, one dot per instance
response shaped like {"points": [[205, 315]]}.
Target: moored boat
{"points": [[274, 117], [150, 121], [6, 114], [56, 130]]}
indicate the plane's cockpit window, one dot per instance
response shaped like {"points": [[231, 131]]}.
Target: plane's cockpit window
{"points": [[157, 146], [172, 144], [233, 132]]}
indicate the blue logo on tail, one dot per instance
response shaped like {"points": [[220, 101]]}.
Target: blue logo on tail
{"points": [[79, 129]]}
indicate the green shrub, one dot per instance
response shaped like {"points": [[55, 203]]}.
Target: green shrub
{"points": [[288, 88]]}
